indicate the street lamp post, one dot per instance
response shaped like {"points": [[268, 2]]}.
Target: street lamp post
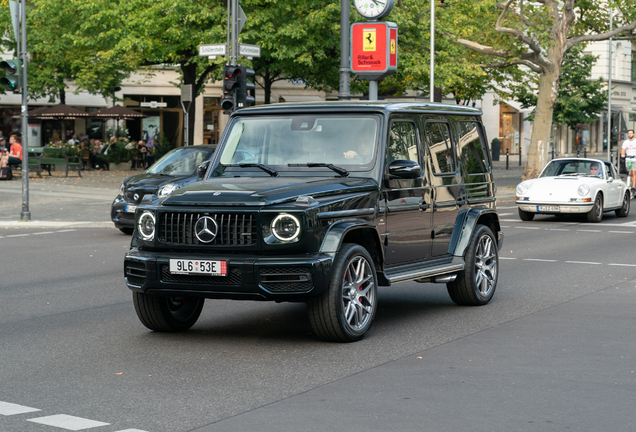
{"points": [[25, 215], [609, 89], [432, 85]]}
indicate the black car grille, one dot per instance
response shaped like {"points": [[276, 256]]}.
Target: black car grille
{"points": [[135, 272], [233, 228], [286, 279], [233, 277]]}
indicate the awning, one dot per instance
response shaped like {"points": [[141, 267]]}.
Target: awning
{"points": [[299, 98]]}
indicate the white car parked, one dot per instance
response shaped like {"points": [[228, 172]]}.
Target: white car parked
{"points": [[574, 185]]}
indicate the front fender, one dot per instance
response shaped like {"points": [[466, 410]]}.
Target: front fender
{"points": [[337, 232], [465, 226]]}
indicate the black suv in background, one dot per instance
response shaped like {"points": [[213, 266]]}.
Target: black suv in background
{"points": [[322, 203]]}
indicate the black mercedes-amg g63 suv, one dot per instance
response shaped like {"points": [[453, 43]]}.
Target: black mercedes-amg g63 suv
{"points": [[322, 203]]}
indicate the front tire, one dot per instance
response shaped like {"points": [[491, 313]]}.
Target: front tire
{"points": [[127, 231], [596, 214], [525, 216], [345, 312], [624, 210], [167, 314], [476, 284]]}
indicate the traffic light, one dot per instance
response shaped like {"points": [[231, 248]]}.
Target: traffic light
{"points": [[244, 97], [231, 84], [11, 78]]}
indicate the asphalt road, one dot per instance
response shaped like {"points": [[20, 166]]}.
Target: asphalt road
{"points": [[554, 350]]}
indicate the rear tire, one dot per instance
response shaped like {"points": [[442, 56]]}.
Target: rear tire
{"points": [[624, 210], [345, 312], [167, 314], [476, 284], [127, 231], [525, 216], [596, 214]]}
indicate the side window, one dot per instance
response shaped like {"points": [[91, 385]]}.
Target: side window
{"points": [[402, 142], [608, 171], [472, 153], [441, 148]]}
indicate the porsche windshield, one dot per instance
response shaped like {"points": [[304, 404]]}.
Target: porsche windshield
{"points": [[574, 167], [287, 142]]}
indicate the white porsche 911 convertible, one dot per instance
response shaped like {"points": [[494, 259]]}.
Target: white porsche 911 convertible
{"points": [[574, 186]]}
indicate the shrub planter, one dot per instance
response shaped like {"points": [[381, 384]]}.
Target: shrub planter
{"points": [[125, 166]]}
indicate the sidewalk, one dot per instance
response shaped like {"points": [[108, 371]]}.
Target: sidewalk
{"points": [[61, 202]]}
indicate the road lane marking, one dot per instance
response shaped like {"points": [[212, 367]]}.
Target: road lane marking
{"points": [[588, 231], [68, 422], [582, 262], [506, 208], [507, 258], [559, 229], [529, 228], [132, 430], [505, 214], [44, 232], [8, 409], [537, 259], [621, 232], [66, 230], [623, 265], [17, 235]]}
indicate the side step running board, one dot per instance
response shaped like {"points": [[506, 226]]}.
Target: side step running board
{"points": [[428, 273]]}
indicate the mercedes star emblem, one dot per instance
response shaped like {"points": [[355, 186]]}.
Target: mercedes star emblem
{"points": [[206, 229]]}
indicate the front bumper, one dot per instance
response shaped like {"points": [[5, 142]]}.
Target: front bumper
{"points": [[563, 207], [118, 214], [280, 278]]}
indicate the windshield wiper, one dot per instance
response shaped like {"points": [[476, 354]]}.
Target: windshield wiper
{"points": [[265, 168], [343, 172]]}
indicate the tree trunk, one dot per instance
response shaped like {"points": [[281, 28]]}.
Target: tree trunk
{"points": [[546, 99]]}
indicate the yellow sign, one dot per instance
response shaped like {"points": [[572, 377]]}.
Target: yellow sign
{"points": [[392, 46], [368, 40]]}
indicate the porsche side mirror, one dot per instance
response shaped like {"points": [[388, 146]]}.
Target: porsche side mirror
{"points": [[202, 169], [610, 179]]}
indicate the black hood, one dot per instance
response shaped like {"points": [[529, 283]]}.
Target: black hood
{"points": [[149, 183], [260, 191]]}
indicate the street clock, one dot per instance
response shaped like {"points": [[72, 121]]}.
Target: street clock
{"points": [[373, 9]]}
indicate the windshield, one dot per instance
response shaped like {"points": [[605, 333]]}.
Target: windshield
{"points": [[284, 143], [573, 167], [180, 162]]}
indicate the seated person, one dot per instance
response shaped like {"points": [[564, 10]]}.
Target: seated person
{"points": [[15, 152], [362, 154], [595, 170]]}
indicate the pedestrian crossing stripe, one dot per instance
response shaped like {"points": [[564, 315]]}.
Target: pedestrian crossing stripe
{"points": [[8, 409]]}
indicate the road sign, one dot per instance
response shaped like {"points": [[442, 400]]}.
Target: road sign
{"points": [[249, 50], [374, 49], [154, 104], [212, 50], [241, 19]]}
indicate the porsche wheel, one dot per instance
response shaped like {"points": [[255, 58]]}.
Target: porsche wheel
{"points": [[596, 214], [624, 210], [525, 216]]}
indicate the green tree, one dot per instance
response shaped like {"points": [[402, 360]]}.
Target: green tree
{"points": [[580, 98], [537, 35]]}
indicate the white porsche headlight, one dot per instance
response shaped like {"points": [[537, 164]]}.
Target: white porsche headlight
{"points": [[522, 188], [167, 189], [146, 225], [285, 227], [584, 190]]}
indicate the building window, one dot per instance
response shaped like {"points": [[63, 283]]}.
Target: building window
{"points": [[633, 66]]}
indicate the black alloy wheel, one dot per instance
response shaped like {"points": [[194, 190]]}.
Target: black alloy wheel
{"points": [[167, 314]]}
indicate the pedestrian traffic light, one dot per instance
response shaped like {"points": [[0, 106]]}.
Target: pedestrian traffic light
{"points": [[231, 85], [11, 78], [246, 88]]}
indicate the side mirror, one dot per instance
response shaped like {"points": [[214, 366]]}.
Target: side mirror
{"points": [[405, 169], [610, 179], [202, 169]]}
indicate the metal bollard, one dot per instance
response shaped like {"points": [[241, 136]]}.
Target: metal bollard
{"points": [[507, 158], [585, 153], [552, 153], [519, 155]]}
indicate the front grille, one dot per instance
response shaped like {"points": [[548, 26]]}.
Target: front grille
{"points": [[135, 272], [286, 279], [233, 277], [233, 228]]}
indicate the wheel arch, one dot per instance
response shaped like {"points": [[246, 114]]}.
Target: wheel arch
{"points": [[360, 232], [465, 225]]}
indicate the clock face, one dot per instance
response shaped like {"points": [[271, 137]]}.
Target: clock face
{"points": [[373, 9]]}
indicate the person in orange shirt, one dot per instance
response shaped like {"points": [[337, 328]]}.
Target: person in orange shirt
{"points": [[15, 150]]}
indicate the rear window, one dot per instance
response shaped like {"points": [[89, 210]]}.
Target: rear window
{"points": [[472, 151]]}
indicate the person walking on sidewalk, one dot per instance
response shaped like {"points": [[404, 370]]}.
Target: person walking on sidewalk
{"points": [[628, 151]]}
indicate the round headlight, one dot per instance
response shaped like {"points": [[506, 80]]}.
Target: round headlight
{"points": [[146, 225], [584, 190], [285, 227], [522, 188], [167, 189]]}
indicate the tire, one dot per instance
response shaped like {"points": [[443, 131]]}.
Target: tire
{"points": [[525, 216], [127, 231], [167, 314], [476, 284], [345, 312], [596, 214], [624, 210]]}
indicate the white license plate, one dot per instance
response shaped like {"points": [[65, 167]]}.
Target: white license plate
{"points": [[130, 208], [209, 268], [548, 208]]}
